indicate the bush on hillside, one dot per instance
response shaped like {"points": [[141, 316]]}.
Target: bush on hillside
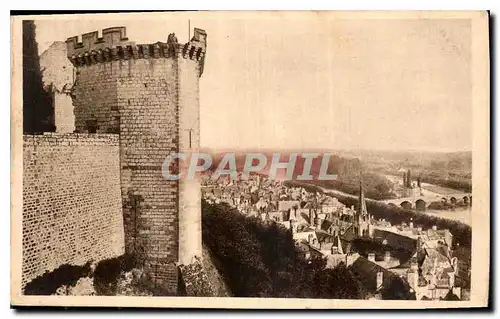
{"points": [[259, 260]]}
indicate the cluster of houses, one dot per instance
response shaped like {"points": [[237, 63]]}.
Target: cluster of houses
{"points": [[378, 253]]}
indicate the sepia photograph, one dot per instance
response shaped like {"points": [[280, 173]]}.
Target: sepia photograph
{"points": [[287, 160]]}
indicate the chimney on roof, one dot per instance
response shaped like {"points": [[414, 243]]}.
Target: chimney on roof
{"points": [[317, 222], [311, 217], [411, 224], [293, 226], [371, 257], [434, 227], [339, 246]]}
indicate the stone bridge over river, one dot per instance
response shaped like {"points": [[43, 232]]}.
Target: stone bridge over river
{"points": [[420, 203]]}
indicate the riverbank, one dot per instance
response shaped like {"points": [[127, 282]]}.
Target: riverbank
{"points": [[459, 227]]}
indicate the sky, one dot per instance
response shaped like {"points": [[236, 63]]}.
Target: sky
{"points": [[316, 81]]}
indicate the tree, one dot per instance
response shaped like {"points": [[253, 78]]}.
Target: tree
{"points": [[408, 179], [37, 103], [382, 188], [397, 290], [450, 296], [259, 260]]}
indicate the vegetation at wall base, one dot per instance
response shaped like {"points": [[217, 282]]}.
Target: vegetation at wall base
{"points": [[110, 277]]}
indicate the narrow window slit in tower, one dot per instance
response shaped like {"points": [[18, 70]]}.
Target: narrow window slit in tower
{"points": [[190, 138]]}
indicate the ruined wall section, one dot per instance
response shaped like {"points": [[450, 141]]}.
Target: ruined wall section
{"points": [[58, 79], [71, 201]]}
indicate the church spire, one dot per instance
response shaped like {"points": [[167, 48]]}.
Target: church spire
{"points": [[362, 202]]}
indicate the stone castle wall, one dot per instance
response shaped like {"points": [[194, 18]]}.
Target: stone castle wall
{"points": [[72, 208]]}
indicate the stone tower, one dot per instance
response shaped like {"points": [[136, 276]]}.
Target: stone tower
{"points": [[149, 95]]}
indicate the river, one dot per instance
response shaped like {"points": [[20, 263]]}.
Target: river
{"points": [[460, 214]]}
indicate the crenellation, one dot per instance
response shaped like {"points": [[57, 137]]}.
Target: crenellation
{"points": [[114, 35], [114, 45], [88, 41]]}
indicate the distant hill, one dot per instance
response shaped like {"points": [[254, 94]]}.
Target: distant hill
{"points": [[348, 171], [447, 169], [451, 170], [336, 164], [460, 161]]}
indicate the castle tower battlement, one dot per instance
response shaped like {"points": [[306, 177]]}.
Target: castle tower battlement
{"points": [[111, 37], [114, 45], [149, 95]]}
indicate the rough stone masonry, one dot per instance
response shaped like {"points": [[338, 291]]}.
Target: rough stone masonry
{"points": [[149, 95]]}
